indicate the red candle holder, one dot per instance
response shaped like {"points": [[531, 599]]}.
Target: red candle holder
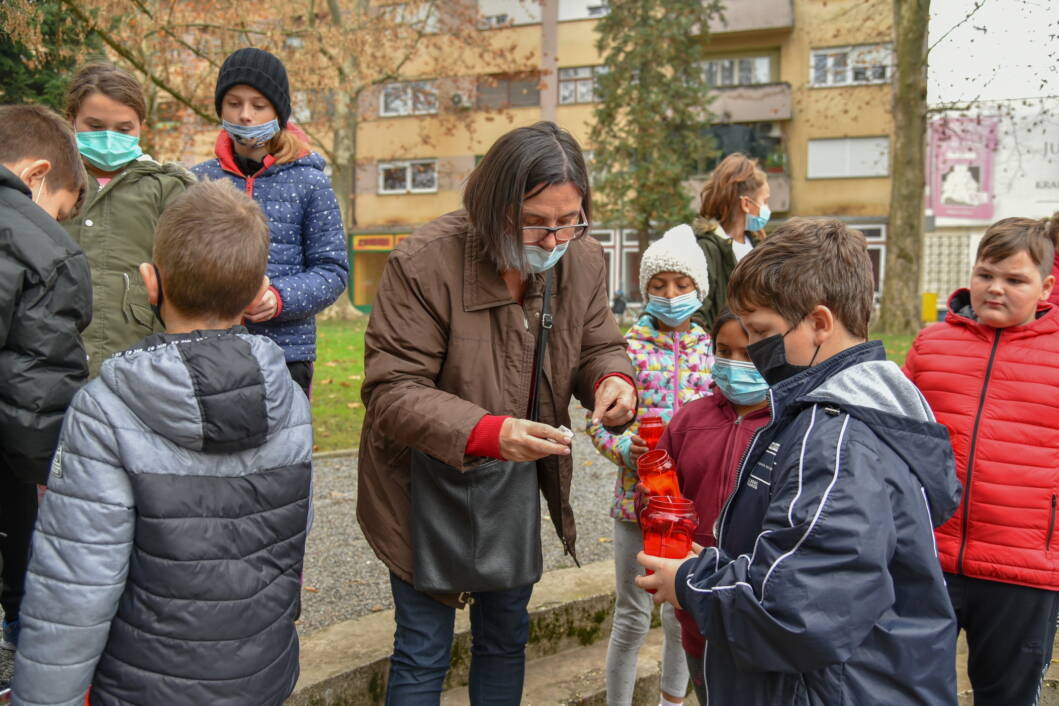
{"points": [[657, 473], [668, 525], [650, 430]]}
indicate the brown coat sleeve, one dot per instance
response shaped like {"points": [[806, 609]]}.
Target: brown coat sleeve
{"points": [[405, 346], [602, 345]]}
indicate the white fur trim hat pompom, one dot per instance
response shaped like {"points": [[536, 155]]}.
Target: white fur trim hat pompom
{"points": [[675, 251]]}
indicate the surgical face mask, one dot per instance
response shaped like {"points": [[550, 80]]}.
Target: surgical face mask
{"points": [[252, 135], [108, 150], [756, 223], [770, 358], [541, 260], [675, 311], [740, 382]]}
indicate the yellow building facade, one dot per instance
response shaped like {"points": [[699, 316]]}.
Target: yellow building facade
{"points": [[803, 85]]}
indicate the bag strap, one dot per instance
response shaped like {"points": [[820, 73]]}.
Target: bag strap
{"points": [[542, 345]]}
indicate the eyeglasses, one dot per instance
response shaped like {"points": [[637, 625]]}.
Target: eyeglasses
{"points": [[531, 235]]}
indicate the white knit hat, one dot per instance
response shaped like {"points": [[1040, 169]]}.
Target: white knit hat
{"points": [[675, 251]]}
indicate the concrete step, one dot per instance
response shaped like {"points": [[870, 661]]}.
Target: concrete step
{"points": [[346, 664], [577, 678]]}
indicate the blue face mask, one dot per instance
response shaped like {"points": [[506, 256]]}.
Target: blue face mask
{"points": [[107, 150], [675, 311], [740, 382], [756, 223], [541, 260], [252, 135]]}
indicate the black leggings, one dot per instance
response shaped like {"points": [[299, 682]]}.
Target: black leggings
{"points": [[302, 372]]}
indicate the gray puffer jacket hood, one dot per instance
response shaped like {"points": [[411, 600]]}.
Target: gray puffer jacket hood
{"points": [[168, 550]]}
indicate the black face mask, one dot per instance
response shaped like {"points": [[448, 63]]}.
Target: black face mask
{"points": [[157, 308], [769, 356]]}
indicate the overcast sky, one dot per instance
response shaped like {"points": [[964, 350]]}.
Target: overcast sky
{"points": [[1007, 49]]}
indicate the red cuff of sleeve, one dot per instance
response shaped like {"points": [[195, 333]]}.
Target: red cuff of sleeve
{"points": [[279, 301], [485, 437], [623, 376]]}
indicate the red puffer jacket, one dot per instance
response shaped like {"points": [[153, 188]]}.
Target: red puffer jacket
{"points": [[995, 391]]}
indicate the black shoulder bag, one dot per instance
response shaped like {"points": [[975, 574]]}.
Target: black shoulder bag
{"points": [[480, 530]]}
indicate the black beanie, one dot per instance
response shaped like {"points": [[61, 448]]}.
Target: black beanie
{"points": [[260, 70]]}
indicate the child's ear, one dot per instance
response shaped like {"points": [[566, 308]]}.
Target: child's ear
{"points": [[150, 281], [1047, 287], [823, 323], [32, 173]]}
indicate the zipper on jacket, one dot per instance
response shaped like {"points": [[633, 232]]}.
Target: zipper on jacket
{"points": [[1051, 526], [676, 373], [970, 454], [742, 464]]}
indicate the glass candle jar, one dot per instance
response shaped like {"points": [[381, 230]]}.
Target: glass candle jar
{"points": [[650, 430], [657, 473]]}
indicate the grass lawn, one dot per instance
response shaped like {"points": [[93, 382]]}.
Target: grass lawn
{"points": [[337, 409]]}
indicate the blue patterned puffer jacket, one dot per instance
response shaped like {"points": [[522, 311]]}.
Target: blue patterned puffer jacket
{"points": [[307, 260]]}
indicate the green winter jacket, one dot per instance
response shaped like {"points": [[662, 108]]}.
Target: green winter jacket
{"points": [[720, 261], [115, 228]]}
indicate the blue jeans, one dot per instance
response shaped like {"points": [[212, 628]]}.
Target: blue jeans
{"points": [[422, 646]]}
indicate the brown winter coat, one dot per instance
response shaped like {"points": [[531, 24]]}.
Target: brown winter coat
{"points": [[447, 344]]}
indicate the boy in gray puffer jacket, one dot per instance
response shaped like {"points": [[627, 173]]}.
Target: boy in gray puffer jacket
{"points": [[167, 553]]}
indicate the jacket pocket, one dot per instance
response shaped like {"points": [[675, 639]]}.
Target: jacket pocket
{"points": [[135, 306], [1051, 526]]}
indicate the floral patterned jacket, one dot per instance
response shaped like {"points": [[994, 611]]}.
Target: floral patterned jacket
{"points": [[671, 370]]}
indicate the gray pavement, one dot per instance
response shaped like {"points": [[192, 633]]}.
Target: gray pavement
{"points": [[344, 580]]}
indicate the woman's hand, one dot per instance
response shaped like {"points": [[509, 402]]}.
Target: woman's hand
{"points": [[523, 440], [615, 402]]}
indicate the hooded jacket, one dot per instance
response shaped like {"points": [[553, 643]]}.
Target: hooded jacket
{"points": [[995, 390], [707, 441], [115, 227], [825, 588], [672, 369], [45, 303], [307, 260], [167, 553], [447, 345]]}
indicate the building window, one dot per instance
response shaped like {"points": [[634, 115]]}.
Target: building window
{"points": [[499, 92], [748, 71], [760, 141], [505, 13], [849, 157], [418, 176], [875, 235], [850, 66], [409, 98], [578, 85]]}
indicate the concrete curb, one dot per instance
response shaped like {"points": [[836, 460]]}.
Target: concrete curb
{"points": [[346, 664]]}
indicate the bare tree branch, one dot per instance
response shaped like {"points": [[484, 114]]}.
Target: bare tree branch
{"points": [[977, 6], [136, 63]]}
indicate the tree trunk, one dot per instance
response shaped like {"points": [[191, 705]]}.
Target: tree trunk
{"points": [[904, 241]]}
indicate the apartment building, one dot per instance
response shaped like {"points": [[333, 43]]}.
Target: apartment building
{"points": [[802, 85]]}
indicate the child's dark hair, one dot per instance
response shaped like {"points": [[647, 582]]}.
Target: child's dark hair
{"points": [[211, 247], [112, 81], [34, 132], [808, 262], [724, 317], [1035, 237]]}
